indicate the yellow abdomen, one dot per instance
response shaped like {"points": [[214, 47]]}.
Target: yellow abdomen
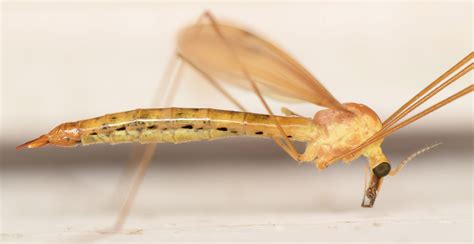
{"points": [[178, 125]]}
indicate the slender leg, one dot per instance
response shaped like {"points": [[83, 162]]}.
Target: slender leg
{"points": [[216, 84], [168, 100], [287, 145], [127, 174], [173, 65], [163, 98], [172, 70], [137, 180], [144, 154], [150, 149], [293, 154]]}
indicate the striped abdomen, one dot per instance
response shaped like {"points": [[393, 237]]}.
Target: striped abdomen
{"points": [[177, 125]]}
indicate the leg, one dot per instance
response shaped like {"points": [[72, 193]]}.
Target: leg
{"points": [[146, 153], [287, 145], [172, 73], [294, 156], [168, 100], [216, 84], [137, 180], [310, 153], [173, 65], [141, 155]]}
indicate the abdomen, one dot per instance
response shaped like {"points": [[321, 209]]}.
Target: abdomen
{"points": [[178, 125]]}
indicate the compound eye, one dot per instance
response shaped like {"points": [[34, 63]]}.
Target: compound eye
{"points": [[381, 170]]}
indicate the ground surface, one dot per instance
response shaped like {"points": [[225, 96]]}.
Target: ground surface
{"points": [[256, 196]]}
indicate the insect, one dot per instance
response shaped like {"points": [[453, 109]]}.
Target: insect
{"points": [[223, 52]]}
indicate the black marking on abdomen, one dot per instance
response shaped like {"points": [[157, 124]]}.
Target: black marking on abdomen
{"points": [[222, 128], [121, 128], [187, 127], [259, 133]]}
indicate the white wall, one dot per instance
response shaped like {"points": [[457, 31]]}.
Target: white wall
{"points": [[65, 62]]}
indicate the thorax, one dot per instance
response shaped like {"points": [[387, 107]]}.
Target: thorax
{"points": [[340, 131]]}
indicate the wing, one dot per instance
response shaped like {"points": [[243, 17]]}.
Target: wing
{"points": [[276, 72]]}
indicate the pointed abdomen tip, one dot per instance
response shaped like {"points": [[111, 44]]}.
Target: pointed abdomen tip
{"points": [[38, 142]]}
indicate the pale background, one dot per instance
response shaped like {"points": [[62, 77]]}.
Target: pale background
{"points": [[69, 61]]}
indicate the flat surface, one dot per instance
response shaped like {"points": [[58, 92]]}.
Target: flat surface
{"points": [[269, 198]]}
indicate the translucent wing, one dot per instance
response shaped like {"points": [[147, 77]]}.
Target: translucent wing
{"points": [[277, 73]]}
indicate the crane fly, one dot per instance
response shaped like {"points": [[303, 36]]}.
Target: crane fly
{"points": [[223, 52]]}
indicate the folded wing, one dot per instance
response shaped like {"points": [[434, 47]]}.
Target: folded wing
{"points": [[276, 72]]}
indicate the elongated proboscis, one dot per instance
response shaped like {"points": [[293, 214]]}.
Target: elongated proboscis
{"points": [[389, 127]]}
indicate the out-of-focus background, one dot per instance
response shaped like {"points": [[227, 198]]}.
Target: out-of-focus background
{"points": [[70, 61]]}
